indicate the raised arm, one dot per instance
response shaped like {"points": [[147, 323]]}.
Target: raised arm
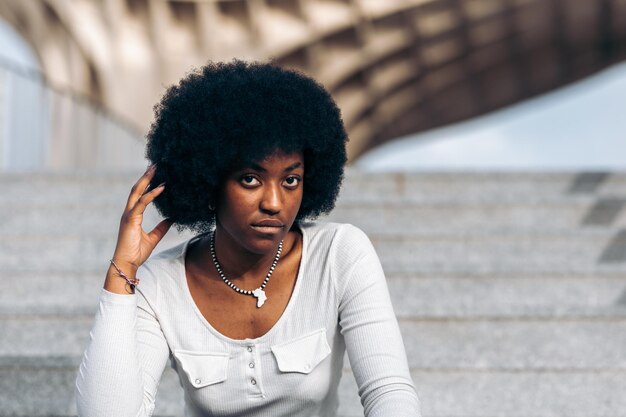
{"points": [[122, 365], [372, 335]]}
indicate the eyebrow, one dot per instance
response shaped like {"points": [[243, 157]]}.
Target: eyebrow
{"points": [[291, 167]]}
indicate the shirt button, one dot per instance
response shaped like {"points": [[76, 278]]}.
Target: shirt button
{"points": [[249, 349], [251, 365], [253, 381], [198, 381]]}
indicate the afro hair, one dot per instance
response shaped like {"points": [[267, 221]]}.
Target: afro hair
{"points": [[224, 116]]}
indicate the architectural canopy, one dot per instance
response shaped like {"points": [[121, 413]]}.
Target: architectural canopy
{"points": [[395, 67]]}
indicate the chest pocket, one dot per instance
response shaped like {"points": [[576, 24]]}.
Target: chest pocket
{"points": [[203, 368], [303, 354]]}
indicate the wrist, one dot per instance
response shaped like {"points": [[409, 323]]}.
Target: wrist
{"points": [[116, 284], [127, 268], [119, 279]]}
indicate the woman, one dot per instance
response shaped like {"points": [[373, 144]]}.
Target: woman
{"points": [[256, 311]]}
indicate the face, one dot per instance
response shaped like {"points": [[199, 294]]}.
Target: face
{"points": [[258, 204]]}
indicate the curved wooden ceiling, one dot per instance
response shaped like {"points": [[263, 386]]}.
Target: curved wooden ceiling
{"points": [[395, 67]]}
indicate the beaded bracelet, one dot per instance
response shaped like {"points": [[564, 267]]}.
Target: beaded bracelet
{"points": [[132, 282]]}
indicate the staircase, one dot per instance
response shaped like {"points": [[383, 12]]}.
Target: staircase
{"points": [[510, 289]]}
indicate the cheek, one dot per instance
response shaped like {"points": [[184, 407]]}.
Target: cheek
{"points": [[236, 204], [297, 201]]}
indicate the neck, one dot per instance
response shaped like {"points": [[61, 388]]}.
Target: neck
{"points": [[237, 262]]}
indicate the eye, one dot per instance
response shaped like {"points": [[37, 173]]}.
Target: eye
{"points": [[249, 180], [292, 182]]}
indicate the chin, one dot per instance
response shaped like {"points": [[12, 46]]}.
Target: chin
{"points": [[260, 242]]}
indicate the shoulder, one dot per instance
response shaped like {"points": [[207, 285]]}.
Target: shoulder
{"points": [[343, 240], [345, 253], [332, 230], [320, 227]]}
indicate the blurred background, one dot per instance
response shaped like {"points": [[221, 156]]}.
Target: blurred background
{"points": [[487, 158]]}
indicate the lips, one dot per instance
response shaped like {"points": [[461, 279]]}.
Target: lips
{"points": [[268, 227], [268, 223]]}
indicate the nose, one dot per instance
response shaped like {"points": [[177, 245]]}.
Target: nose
{"points": [[272, 199]]}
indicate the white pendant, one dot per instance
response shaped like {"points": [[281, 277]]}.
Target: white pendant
{"points": [[260, 296]]}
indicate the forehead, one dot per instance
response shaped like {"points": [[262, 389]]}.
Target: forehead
{"points": [[279, 160]]}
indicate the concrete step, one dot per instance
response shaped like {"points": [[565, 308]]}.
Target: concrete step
{"points": [[444, 344], [377, 217], [51, 189], [507, 296], [579, 251], [45, 336], [576, 251], [507, 300], [427, 295], [502, 393], [516, 345], [69, 253], [462, 393], [45, 387], [358, 186], [480, 186], [446, 218]]}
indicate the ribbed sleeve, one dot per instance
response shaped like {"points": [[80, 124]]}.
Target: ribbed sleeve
{"points": [[371, 332], [122, 365]]}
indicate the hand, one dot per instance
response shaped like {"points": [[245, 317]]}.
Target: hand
{"points": [[134, 245]]}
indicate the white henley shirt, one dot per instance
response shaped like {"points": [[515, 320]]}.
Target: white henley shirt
{"points": [[340, 302]]}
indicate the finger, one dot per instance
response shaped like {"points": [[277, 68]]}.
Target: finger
{"points": [[140, 187], [159, 231], [144, 200]]}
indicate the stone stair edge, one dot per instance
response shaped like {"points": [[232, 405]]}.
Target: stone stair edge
{"points": [[87, 314], [349, 171], [393, 275], [567, 202], [604, 269], [586, 232], [72, 362]]}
